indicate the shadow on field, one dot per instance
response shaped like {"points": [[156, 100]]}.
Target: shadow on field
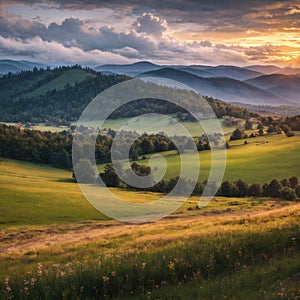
{"points": [[67, 180]]}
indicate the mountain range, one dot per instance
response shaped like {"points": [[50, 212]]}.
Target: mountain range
{"points": [[12, 66], [256, 84]]}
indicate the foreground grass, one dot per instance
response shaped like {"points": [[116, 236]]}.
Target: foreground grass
{"points": [[169, 259], [270, 280], [54, 245]]}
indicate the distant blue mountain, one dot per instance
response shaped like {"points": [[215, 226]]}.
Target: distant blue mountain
{"points": [[270, 69], [138, 68], [250, 84], [7, 66], [132, 70], [286, 86], [227, 89]]}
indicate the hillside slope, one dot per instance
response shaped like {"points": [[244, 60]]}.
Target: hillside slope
{"points": [[56, 96], [68, 78], [129, 70], [227, 89], [286, 86]]}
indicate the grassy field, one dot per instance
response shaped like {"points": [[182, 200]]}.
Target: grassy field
{"points": [[248, 253], [33, 194], [155, 123], [41, 127], [55, 245], [148, 123], [261, 160]]}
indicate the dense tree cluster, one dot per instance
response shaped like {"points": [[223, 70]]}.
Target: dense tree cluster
{"points": [[287, 124], [287, 189], [55, 106], [273, 126], [55, 149], [222, 109]]}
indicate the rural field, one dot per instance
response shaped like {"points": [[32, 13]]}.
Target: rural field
{"points": [[271, 156], [54, 244]]}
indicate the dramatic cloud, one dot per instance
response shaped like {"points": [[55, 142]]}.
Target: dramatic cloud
{"points": [[151, 24], [55, 53], [198, 32]]}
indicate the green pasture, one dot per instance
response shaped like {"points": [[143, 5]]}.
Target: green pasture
{"points": [[260, 160], [31, 194]]}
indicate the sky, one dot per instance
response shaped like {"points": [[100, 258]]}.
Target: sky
{"points": [[202, 32]]}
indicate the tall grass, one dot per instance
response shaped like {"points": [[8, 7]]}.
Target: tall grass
{"points": [[126, 273]]}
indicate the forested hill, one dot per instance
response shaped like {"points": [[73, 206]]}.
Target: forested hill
{"points": [[57, 96], [60, 95]]}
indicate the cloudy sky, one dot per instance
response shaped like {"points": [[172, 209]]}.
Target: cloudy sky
{"points": [[95, 32]]}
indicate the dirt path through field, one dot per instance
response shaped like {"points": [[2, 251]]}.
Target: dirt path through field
{"points": [[24, 240]]}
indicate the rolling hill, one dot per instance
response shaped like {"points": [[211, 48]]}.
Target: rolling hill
{"points": [[286, 86], [271, 69], [70, 78], [228, 83], [224, 88], [256, 84], [54, 95], [129, 70], [233, 72]]}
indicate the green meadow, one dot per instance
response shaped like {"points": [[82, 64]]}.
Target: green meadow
{"points": [[154, 123], [56, 245], [260, 160], [32, 194]]}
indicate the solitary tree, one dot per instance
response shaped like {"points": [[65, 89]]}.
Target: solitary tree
{"points": [[110, 177], [85, 171], [236, 135]]}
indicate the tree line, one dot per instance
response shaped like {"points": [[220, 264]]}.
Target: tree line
{"points": [[287, 188], [55, 149], [283, 122]]}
